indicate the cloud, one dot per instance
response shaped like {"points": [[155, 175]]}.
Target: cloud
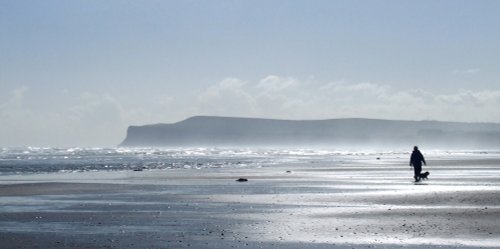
{"points": [[467, 71], [16, 97], [163, 100], [90, 119], [289, 98], [102, 109], [71, 118], [275, 84], [472, 70], [21, 125], [228, 97]]}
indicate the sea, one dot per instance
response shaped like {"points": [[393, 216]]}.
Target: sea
{"points": [[29, 160]]}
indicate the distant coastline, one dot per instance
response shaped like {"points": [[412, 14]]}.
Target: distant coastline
{"points": [[358, 132]]}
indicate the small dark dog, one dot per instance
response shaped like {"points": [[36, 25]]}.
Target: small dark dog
{"points": [[423, 176]]}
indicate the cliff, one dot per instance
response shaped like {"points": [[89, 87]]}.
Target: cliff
{"points": [[227, 131]]}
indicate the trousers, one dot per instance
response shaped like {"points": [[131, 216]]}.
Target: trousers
{"points": [[417, 169]]}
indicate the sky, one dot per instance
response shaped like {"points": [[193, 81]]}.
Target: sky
{"points": [[78, 73]]}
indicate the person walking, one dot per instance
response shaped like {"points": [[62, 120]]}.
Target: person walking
{"points": [[416, 161]]}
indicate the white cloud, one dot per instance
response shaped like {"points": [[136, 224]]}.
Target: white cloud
{"points": [[467, 71], [275, 84], [16, 97], [90, 118], [102, 109], [286, 97], [163, 100], [472, 70], [19, 124], [228, 97]]}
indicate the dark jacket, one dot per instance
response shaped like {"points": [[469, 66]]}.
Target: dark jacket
{"points": [[417, 158]]}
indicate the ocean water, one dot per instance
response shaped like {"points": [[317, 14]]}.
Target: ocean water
{"points": [[27, 160]]}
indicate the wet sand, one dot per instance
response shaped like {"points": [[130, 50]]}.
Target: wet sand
{"points": [[357, 203]]}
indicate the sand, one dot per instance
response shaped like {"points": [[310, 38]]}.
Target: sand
{"points": [[356, 203]]}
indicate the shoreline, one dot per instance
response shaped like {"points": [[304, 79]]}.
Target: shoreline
{"points": [[346, 204]]}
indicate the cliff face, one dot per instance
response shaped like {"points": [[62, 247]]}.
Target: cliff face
{"points": [[224, 131]]}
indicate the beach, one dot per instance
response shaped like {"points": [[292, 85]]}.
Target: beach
{"points": [[358, 202]]}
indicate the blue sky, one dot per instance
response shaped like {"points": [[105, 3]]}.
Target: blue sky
{"points": [[79, 72]]}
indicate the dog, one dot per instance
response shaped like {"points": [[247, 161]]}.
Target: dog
{"points": [[423, 176]]}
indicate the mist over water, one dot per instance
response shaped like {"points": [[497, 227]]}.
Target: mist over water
{"points": [[22, 160]]}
